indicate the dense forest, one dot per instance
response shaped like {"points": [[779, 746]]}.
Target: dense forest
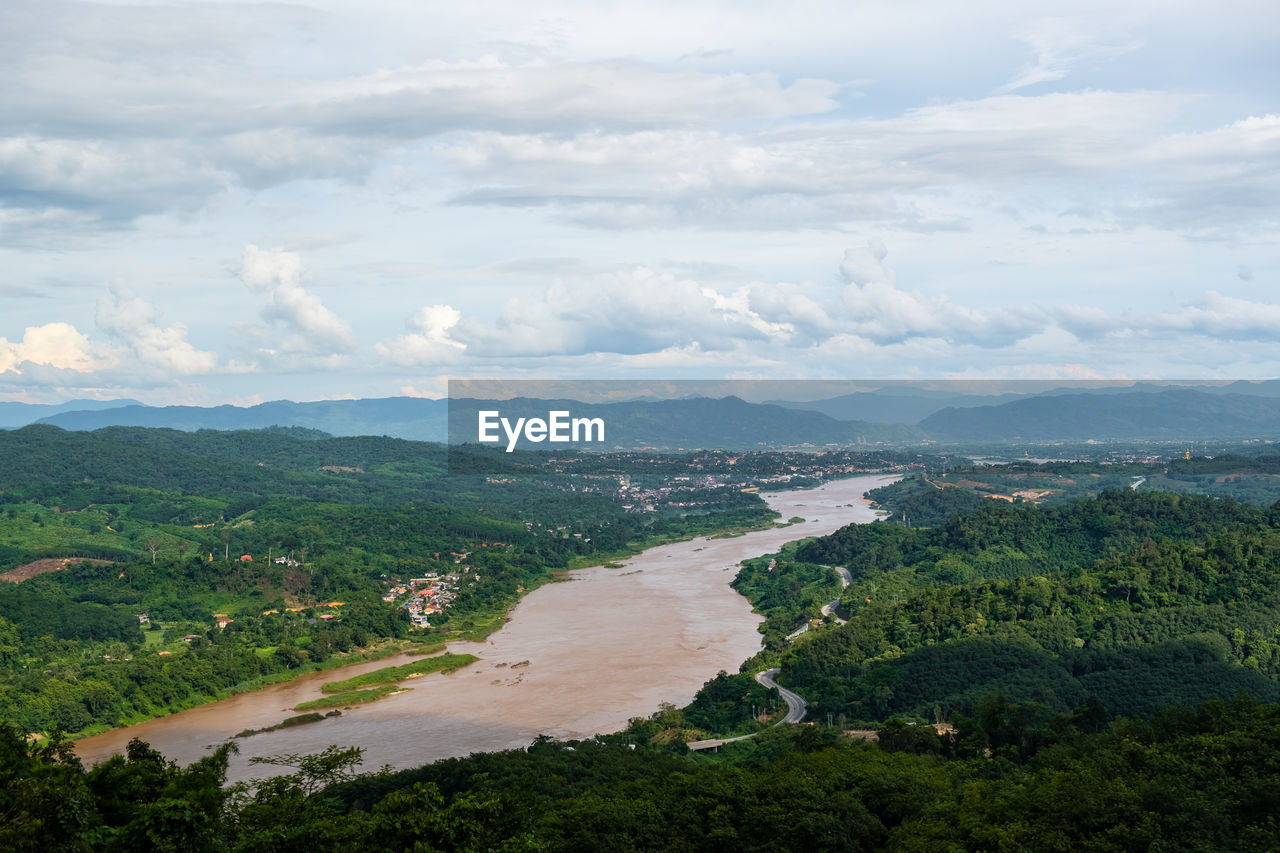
{"points": [[1133, 600], [1247, 474], [1202, 780], [1098, 673], [159, 569]]}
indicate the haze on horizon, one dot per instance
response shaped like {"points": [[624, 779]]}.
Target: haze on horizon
{"points": [[233, 202]]}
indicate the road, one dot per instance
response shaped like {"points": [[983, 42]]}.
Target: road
{"points": [[795, 712], [795, 705], [828, 609], [846, 578]]}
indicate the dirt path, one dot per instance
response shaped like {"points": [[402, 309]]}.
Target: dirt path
{"points": [[48, 564]]}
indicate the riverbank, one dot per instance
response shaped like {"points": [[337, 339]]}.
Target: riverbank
{"points": [[475, 627], [414, 647], [597, 649]]}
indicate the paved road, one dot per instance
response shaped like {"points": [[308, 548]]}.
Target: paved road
{"points": [[795, 705], [846, 578], [795, 712]]}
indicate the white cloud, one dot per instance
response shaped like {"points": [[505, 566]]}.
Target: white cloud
{"points": [[941, 166], [1084, 321], [309, 327], [631, 312], [1227, 318], [56, 345], [431, 343], [135, 322], [438, 96], [110, 179], [884, 313], [1060, 44]]}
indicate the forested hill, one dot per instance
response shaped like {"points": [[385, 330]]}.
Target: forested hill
{"points": [[143, 571], [1138, 600], [1149, 415], [404, 417]]}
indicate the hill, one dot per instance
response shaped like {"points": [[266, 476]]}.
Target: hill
{"points": [[1152, 415], [400, 417], [728, 423]]}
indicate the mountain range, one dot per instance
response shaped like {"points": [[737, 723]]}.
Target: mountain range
{"points": [[892, 414]]}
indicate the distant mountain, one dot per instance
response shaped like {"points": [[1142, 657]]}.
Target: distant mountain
{"points": [[701, 422], [666, 424], [1259, 388], [896, 405], [1145, 414], [14, 415], [400, 417], [1141, 411]]}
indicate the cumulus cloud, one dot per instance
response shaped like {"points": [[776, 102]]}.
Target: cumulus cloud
{"points": [[309, 327], [1084, 321], [56, 345], [136, 323], [430, 343], [884, 313], [631, 312], [1225, 317]]}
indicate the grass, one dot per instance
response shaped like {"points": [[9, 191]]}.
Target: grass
{"points": [[389, 674], [350, 697], [84, 529], [290, 722]]}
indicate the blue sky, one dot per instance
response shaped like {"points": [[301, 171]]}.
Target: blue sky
{"points": [[235, 202]]}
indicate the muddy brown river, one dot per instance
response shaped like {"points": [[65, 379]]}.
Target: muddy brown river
{"points": [[577, 658]]}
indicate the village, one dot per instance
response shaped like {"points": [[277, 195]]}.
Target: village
{"points": [[642, 492], [425, 596]]}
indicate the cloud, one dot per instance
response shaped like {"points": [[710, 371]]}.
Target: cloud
{"points": [[1227, 318], [134, 322], [310, 329], [631, 312], [56, 345], [489, 93], [116, 113], [1060, 44], [884, 313], [104, 179], [936, 167], [430, 344], [1084, 321], [121, 112]]}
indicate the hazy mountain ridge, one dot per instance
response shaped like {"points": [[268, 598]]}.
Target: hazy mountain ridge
{"points": [[701, 422], [1142, 410], [15, 414], [399, 417], [1170, 414]]}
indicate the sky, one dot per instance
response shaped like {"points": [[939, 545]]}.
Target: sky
{"points": [[234, 202]]}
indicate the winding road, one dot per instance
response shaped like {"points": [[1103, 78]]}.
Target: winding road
{"points": [[846, 578], [795, 705], [795, 712]]}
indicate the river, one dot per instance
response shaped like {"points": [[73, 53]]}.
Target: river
{"points": [[577, 658]]}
